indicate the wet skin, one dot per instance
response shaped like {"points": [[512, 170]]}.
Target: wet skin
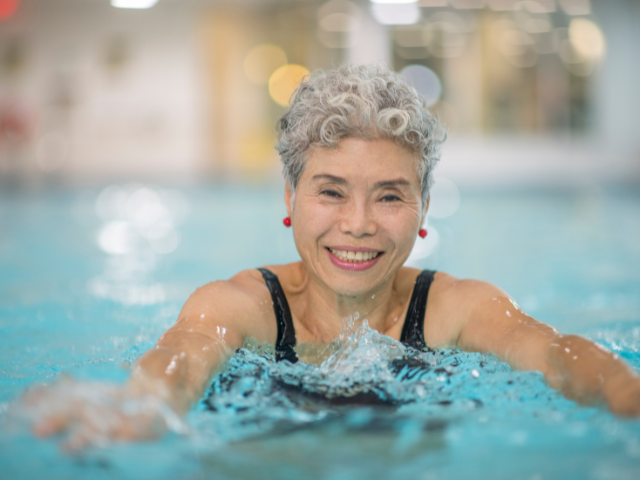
{"points": [[360, 195]]}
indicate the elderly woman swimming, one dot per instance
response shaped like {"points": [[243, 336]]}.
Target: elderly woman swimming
{"points": [[358, 147]]}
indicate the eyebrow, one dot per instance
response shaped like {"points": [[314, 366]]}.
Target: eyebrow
{"points": [[393, 183], [342, 181], [331, 178]]}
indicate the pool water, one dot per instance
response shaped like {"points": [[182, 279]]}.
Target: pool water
{"points": [[89, 279]]}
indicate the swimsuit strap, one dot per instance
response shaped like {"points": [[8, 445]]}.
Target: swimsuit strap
{"points": [[413, 328], [286, 333]]}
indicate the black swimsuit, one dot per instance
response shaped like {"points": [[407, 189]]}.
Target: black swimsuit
{"points": [[406, 367], [412, 330]]}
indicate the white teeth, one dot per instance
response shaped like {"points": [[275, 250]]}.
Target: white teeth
{"points": [[355, 257]]}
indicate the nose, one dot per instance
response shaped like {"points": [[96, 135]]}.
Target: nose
{"points": [[358, 219]]}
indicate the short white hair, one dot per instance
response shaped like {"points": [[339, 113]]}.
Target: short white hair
{"points": [[363, 101]]}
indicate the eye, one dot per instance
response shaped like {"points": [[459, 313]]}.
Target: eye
{"points": [[331, 193], [390, 198]]}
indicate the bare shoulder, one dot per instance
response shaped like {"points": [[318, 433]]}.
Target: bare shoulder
{"points": [[246, 286], [452, 302], [464, 291], [242, 303]]}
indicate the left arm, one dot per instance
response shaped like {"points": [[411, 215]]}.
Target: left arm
{"points": [[583, 371]]}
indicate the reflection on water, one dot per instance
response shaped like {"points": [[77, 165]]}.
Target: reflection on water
{"points": [[139, 223], [136, 216]]}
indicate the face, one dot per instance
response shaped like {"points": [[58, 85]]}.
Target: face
{"points": [[356, 214]]}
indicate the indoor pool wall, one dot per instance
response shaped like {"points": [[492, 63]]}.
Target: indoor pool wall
{"points": [[88, 283]]}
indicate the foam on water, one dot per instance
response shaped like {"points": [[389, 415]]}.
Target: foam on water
{"points": [[254, 395]]}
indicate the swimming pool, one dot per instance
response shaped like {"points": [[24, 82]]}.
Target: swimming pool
{"points": [[89, 279]]}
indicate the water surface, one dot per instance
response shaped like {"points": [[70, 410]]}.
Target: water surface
{"points": [[90, 279]]}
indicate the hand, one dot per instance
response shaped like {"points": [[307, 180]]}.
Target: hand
{"points": [[95, 413]]}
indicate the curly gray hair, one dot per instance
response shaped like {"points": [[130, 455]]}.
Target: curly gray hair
{"points": [[364, 101]]}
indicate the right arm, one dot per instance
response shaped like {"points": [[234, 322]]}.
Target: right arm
{"points": [[213, 323]]}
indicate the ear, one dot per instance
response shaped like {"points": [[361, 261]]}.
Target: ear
{"points": [[424, 212], [288, 195]]}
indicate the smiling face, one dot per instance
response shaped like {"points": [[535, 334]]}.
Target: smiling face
{"points": [[356, 213]]}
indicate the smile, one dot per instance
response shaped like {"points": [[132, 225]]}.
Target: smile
{"points": [[352, 259], [356, 257]]}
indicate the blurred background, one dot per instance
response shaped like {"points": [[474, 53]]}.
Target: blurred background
{"points": [[533, 92], [137, 163], [137, 138]]}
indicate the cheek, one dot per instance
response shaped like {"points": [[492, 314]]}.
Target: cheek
{"points": [[312, 220], [401, 227], [402, 221]]}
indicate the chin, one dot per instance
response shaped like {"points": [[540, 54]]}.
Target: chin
{"points": [[353, 284]]}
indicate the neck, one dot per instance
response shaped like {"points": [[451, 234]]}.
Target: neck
{"points": [[324, 310]]}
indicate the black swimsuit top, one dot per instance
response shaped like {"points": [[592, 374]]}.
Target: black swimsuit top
{"points": [[412, 330]]}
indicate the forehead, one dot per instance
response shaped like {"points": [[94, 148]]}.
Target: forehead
{"points": [[359, 159]]}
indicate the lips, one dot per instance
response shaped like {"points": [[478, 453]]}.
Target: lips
{"points": [[356, 256], [353, 258]]}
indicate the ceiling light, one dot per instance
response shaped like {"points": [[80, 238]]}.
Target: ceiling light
{"points": [[407, 14], [393, 1], [139, 4]]}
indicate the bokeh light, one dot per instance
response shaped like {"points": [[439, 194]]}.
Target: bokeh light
{"points": [[574, 61], [261, 61], [337, 20], [344, 7], [445, 198], [118, 238], [580, 46], [396, 14], [284, 81], [137, 4], [425, 81], [139, 218], [587, 38], [394, 1]]}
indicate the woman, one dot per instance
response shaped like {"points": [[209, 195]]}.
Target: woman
{"points": [[358, 147]]}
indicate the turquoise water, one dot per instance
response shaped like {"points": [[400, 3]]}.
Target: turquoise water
{"points": [[90, 279]]}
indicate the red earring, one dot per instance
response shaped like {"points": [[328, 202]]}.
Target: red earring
{"points": [[422, 233], [287, 222]]}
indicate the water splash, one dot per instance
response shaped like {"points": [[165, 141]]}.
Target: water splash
{"points": [[365, 379]]}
